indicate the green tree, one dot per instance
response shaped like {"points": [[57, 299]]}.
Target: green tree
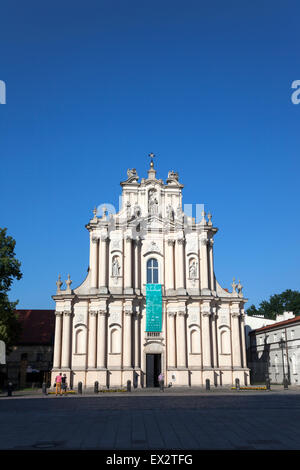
{"points": [[287, 301], [10, 328]]}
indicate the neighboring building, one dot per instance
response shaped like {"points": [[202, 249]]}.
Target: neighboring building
{"points": [[30, 362], [274, 351], [150, 301], [253, 322]]}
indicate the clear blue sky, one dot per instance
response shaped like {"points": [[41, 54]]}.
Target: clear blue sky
{"points": [[94, 86]]}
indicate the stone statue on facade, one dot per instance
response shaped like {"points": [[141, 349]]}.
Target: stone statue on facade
{"points": [[193, 269], [234, 286], [170, 213], [239, 288], [153, 203], [172, 175], [132, 175], [115, 267]]}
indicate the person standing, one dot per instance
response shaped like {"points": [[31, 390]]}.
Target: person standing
{"points": [[161, 381], [58, 381], [64, 384]]}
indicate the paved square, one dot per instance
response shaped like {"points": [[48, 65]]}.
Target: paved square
{"points": [[182, 420]]}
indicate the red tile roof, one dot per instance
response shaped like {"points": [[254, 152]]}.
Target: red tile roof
{"points": [[37, 326], [277, 325]]}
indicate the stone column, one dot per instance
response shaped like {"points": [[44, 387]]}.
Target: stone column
{"points": [[57, 340], [127, 345], [128, 266], [204, 264], [171, 340], [179, 262], [66, 342], [94, 262], [236, 340], [243, 339], [169, 265], [214, 336], [181, 339], [102, 264], [137, 340], [101, 339], [92, 340], [136, 265], [206, 336], [211, 264]]}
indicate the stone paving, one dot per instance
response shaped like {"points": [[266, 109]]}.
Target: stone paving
{"points": [[148, 419]]}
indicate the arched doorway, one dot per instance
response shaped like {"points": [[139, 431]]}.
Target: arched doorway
{"points": [[154, 363], [153, 369]]}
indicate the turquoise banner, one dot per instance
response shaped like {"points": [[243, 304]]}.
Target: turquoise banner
{"points": [[153, 307]]}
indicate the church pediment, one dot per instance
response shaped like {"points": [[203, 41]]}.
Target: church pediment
{"points": [[154, 182], [154, 222]]}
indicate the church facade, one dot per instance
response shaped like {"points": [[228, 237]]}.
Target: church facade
{"points": [[150, 302]]}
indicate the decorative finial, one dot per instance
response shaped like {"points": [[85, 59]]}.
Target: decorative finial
{"points": [[209, 216], [59, 283], [95, 213], [203, 221], [68, 283]]}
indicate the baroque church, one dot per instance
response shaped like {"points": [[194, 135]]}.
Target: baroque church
{"points": [[150, 302]]}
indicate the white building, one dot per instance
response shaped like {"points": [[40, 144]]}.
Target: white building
{"points": [[150, 302], [274, 350]]}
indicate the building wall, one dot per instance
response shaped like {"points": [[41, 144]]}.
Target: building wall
{"points": [[198, 341], [25, 358], [275, 352]]}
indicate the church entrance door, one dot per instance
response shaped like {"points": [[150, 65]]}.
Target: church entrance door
{"points": [[153, 369]]}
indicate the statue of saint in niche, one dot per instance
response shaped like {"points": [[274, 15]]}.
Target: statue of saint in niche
{"points": [[115, 267], [193, 269], [153, 203]]}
